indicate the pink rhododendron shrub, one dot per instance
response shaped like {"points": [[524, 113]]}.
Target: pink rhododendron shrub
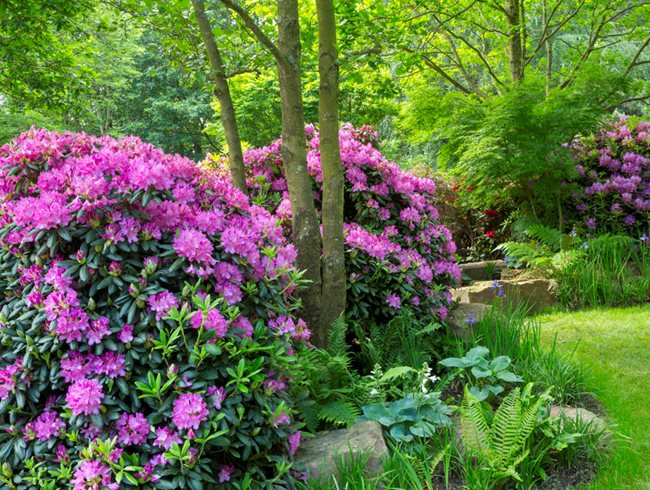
{"points": [[397, 252], [614, 173], [147, 325]]}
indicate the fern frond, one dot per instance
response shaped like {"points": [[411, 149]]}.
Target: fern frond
{"points": [[338, 345], [506, 429], [550, 237], [476, 432], [339, 412]]}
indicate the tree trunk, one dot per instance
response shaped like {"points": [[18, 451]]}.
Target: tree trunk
{"points": [[548, 47], [516, 53], [333, 295], [306, 228], [222, 92]]}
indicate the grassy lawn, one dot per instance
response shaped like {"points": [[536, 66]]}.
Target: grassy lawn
{"points": [[615, 345]]}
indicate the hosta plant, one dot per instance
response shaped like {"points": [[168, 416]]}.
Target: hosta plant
{"points": [[484, 377], [148, 327]]}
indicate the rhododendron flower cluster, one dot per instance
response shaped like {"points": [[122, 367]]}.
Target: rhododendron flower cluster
{"points": [[145, 284], [397, 252], [614, 172]]}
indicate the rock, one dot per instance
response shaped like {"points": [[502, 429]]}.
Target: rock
{"points": [[583, 414], [482, 271], [460, 321], [321, 453], [537, 293]]}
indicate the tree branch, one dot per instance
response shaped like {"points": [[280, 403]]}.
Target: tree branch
{"points": [[635, 61], [250, 23]]}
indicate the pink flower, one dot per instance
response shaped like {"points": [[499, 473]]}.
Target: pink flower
{"points": [[132, 429], [85, 397], [45, 426], [189, 411], [98, 329], [93, 475], [194, 246]]}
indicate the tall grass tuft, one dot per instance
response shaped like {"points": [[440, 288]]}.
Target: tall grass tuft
{"points": [[610, 270], [508, 331]]}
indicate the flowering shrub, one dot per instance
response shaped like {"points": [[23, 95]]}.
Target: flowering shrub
{"points": [[147, 326], [397, 251], [476, 224], [614, 171]]}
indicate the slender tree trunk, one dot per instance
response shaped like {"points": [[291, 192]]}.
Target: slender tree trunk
{"points": [[333, 297], [222, 92], [306, 228], [516, 53], [548, 47]]}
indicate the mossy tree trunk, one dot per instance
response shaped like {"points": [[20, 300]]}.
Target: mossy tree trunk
{"points": [[334, 288], [222, 92]]}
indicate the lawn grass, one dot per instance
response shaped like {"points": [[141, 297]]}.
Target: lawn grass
{"points": [[615, 344]]}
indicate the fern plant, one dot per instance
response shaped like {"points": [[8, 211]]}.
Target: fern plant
{"points": [[500, 442]]}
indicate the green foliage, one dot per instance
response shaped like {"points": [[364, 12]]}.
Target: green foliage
{"points": [[511, 142], [484, 377], [400, 342], [610, 270], [415, 415], [500, 441]]}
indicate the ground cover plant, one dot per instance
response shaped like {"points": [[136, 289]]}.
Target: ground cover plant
{"points": [[148, 325]]}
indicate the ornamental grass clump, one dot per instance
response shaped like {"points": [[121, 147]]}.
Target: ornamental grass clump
{"points": [[397, 252], [614, 170], [147, 325]]}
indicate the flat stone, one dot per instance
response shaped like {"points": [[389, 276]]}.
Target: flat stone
{"points": [[582, 414], [458, 317], [478, 271], [321, 453], [537, 293]]}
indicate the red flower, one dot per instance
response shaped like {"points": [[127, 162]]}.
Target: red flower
{"points": [[490, 233], [470, 188], [492, 213]]}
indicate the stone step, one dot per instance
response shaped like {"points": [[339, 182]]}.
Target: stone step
{"points": [[536, 293], [465, 315], [482, 271]]}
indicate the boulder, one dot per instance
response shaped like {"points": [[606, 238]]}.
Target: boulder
{"points": [[482, 271], [582, 414], [321, 453], [464, 315], [537, 293]]}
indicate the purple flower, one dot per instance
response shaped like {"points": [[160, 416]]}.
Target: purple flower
{"points": [[85, 397], [393, 300], [162, 303], [294, 442], [165, 438], [126, 334], [189, 411], [219, 394], [225, 473], [591, 223]]}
